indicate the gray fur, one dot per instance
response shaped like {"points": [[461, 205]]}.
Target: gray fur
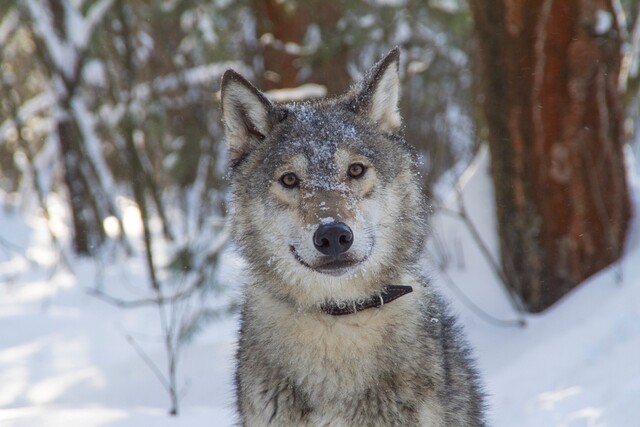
{"points": [[403, 364]]}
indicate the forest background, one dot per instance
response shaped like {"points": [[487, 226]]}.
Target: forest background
{"points": [[110, 127]]}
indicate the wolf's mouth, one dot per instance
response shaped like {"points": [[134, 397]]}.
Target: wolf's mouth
{"points": [[329, 265]]}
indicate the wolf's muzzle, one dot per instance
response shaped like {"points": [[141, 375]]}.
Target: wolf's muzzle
{"points": [[333, 239]]}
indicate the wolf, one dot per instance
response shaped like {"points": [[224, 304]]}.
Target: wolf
{"points": [[339, 326]]}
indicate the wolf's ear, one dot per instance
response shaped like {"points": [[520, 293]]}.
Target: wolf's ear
{"points": [[378, 93], [246, 112]]}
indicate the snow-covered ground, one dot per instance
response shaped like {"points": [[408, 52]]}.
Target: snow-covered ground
{"points": [[577, 364], [65, 359]]}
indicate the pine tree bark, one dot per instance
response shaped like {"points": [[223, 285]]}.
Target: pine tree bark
{"points": [[549, 72]]}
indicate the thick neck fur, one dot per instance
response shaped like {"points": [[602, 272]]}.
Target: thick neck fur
{"points": [[318, 339]]}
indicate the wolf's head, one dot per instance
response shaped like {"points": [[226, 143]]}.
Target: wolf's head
{"points": [[327, 203]]}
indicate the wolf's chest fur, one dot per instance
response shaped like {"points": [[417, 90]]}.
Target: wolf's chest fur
{"points": [[340, 354], [346, 370]]}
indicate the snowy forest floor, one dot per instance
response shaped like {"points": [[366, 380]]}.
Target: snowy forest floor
{"points": [[65, 359]]}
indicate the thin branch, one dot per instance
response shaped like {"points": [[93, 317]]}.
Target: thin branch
{"points": [[94, 17], [521, 322], [476, 237], [462, 214], [195, 285], [142, 302], [59, 53], [28, 109], [147, 360], [168, 328], [11, 246]]}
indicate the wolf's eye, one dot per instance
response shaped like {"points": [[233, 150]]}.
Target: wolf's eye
{"points": [[289, 180], [357, 170]]}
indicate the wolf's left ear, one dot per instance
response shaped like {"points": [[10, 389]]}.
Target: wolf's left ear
{"points": [[247, 113], [377, 95]]}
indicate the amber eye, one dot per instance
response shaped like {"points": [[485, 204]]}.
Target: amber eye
{"points": [[357, 170], [289, 180]]}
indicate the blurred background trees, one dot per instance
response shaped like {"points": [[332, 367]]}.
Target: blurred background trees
{"points": [[110, 104], [111, 108]]}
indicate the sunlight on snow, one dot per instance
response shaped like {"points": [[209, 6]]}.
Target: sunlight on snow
{"points": [[13, 267], [58, 217], [16, 380], [111, 226], [587, 417], [550, 398], [45, 256], [43, 416], [35, 292], [131, 220], [48, 390]]}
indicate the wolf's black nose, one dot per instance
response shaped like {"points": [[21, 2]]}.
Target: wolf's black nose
{"points": [[333, 239]]}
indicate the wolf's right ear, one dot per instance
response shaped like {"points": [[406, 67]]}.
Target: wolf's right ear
{"points": [[247, 114]]}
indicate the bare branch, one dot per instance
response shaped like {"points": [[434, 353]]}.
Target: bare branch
{"points": [[94, 17], [150, 363], [462, 215], [521, 322]]}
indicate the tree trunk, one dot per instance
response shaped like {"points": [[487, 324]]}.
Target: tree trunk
{"points": [[282, 28], [85, 230], [549, 72], [81, 183]]}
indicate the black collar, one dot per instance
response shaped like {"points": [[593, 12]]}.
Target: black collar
{"points": [[390, 293]]}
